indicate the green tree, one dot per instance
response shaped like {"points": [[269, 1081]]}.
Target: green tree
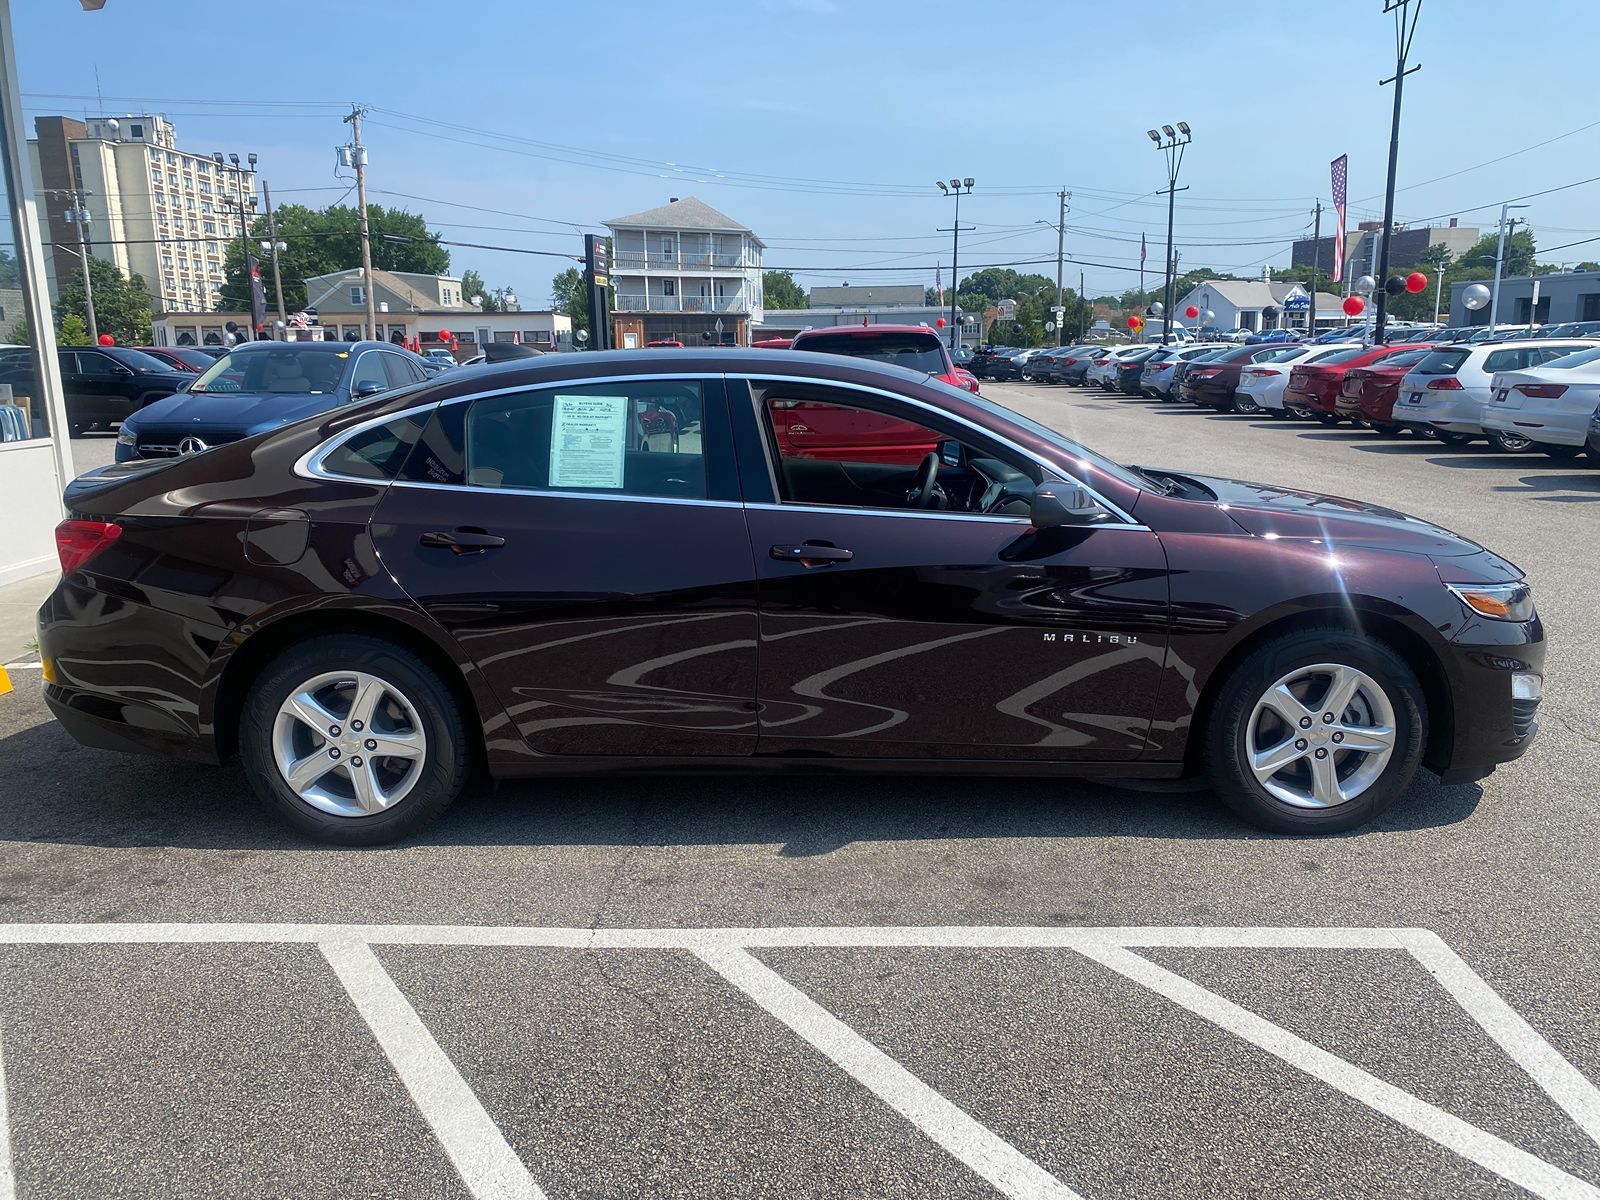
{"points": [[321, 241], [569, 294], [20, 334], [472, 285], [72, 331], [121, 302], [779, 290], [1434, 255]]}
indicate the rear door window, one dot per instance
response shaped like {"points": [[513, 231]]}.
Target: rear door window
{"points": [[1506, 360], [628, 439], [915, 351]]}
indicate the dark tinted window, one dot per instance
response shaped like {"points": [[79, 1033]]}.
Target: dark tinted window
{"points": [[375, 453], [399, 371], [915, 351], [1581, 358], [635, 439], [1442, 362], [135, 360], [1545, 354], [93, 363], [1403, 360], [1507, 360]]}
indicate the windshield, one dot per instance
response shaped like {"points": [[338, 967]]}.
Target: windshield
{"points": [[915, 351], [1442, 362], [1404, 359], [1339, 356], [292, 370]]}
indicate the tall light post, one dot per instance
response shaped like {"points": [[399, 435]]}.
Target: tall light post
{"points": [[1172, 147], [77, 214], [232, 160], [1403, 33], [1499, 263], [956, 188], [1438, 291]]}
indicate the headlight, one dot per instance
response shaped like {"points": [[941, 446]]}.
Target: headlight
{"points": [[1498, 601], [125, 438]]}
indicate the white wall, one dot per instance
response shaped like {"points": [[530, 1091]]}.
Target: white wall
{"points": [[31, 498]]}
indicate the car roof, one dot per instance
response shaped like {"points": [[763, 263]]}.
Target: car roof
{"points": [[259, 347], [858, 330]]}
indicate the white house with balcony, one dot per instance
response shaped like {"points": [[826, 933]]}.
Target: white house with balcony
{"points": [[684, 272]]}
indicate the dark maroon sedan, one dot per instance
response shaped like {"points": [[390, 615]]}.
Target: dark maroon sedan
{"points": [[1214, 382], [489, 570]]}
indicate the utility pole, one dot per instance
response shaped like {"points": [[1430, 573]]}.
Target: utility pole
{"points": [[277, 276], [78, 214], [1438, 291], [1316, 254], [1173, 149], [1061, 245], [358, 158], [1402, 51], [1083, 310]]}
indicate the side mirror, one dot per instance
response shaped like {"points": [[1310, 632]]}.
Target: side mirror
{"points": [[186, 384], [1062, 502], [368, 387], [121, 372]]}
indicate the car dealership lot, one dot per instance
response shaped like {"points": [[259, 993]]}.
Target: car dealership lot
{"points": [[600, 1068]]}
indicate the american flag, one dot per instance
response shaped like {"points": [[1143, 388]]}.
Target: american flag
{"points": [[1341, 170], [1141, 247]]}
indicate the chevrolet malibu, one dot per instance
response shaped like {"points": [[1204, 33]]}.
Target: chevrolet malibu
{"points": [[485, 571]]}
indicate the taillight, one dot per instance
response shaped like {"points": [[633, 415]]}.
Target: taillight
{"points": [[1542, 391], [79, 541], [1262, 371], [1445, 383]]}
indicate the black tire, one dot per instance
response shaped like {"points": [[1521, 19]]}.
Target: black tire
{"points": [[1510, 443], [1329, 418], [1246, 405], [1447, 438], [447, 756], [1225, 733]]}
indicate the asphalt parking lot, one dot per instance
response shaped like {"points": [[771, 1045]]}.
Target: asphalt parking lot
{"points": [[836, 987]]}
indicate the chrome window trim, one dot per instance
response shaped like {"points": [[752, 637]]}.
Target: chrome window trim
{"points": [[309, 465], [1043, 463]]}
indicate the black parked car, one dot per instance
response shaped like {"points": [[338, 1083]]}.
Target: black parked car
{"points": [[1131, 369], [103, 384], [984, 355], [484, 572]]}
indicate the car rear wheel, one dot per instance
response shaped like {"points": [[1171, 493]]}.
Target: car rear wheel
{"points": [[353, 740], [1316, 732], [1328, 418], [1511, 443], [1245, 403], [1448, 438]]}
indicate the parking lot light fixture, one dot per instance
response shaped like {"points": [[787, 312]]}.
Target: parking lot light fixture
{"points": [[1172, 148], [1153, 136], [956, 188]]}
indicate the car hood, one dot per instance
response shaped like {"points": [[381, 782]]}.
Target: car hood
{"points": [[1287, 513], [245, 410]]}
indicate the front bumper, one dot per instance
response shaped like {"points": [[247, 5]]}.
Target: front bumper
{"points": [[1491, 724]]}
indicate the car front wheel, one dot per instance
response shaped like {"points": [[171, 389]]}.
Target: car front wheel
{"points": [[1316, 732], [353, 740]]}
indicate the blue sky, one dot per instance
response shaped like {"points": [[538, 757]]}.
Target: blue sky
{"points": [[557, 117]]}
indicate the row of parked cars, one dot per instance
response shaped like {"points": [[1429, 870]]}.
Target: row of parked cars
{"points": [[1517, 393]]}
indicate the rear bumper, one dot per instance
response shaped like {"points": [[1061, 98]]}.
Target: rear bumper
{"points": [[127, 676], [1549, 425], [1454, 412]]}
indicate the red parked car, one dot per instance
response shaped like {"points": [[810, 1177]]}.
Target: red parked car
{"points": [[772, 344], [1313, 391], [182, 358], [1214, 382], [913, 346], [1368, 393]]}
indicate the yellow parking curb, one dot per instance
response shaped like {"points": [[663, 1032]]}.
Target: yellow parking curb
{"points": [[5, 682]]}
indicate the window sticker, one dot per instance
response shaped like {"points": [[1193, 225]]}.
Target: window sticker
{"points": [[588, 438]]}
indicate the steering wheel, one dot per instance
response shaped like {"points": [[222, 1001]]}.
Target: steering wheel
{"points": [[926, 489]]}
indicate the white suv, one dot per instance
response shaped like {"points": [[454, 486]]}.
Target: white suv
{"points": [[1448, 390], [1548, 408]]}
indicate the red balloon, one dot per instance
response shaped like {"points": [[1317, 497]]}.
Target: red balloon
{"points": [[444, 335], [107, 340], [1353, 306], [1416, 281], [1191, 312], [940, 322], [1133, 322]]}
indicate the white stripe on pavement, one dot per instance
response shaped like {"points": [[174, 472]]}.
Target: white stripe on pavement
{"points": [[487, 1165], [968, 1140], [1494, 1154]]}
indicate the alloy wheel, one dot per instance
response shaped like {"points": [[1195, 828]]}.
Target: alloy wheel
{"points": [[1511, 443], [349, 743], [1320, 736]]}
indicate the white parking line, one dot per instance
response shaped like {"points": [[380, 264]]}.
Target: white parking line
{"points": [[8, 1181], [1011, 1172], [490, 1168], [1505, 1160], [473, 1142]]}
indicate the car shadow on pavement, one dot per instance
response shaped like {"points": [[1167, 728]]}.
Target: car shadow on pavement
{"points": [[63, 794]]}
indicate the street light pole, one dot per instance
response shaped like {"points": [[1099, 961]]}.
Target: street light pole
{"points": [[1402, 51], [1499, 262], [1438, 291], [956, 188], [78, 214], [1172, 147]]}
